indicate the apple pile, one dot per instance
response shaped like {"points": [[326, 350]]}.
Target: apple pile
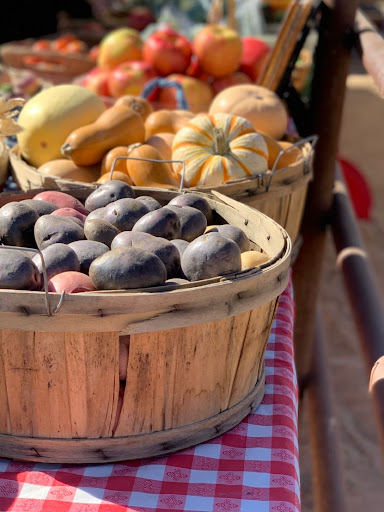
{"points": [[117, 240], [216, 58]]}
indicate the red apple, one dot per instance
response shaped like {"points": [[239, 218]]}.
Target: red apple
{"points": [[194, 70], [130, 77], [254, 57], [97, 81], [139, 17], [119, 45], [198, 94], [218, 49], [167, 51], [236, 78]]}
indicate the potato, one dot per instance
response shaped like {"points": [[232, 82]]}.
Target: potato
{"points": [[107, 193], [150, 202], [163, 248], [61, 199], [127, 268], [70, 282], [87, 251], [124, 213], [51, 229], [17, 271], [194, 200], [70, 212], [17, 221], [58, 258], [210, 255], [180, 244], [41, 207], [234, 233], [100, 231], [162, 222], [193, 221], [97, 214], [250, 259]]}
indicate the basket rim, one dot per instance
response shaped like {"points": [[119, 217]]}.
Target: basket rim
{"points": [[20, 308]]}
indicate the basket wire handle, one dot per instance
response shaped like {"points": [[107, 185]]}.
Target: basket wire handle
{"points": [[150, 160], [45, 278], [311, 138]]}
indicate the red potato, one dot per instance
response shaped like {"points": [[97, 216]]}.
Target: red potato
{"points": [[70, 282], [70, 212], [62, 200]]}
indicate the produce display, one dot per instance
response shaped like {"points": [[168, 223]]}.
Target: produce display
{"points": [[69, 133], [126, 62], [117, 240]]}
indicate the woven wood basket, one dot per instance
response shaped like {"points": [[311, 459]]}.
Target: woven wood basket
{"points": [[195, 361], [279, 194]]}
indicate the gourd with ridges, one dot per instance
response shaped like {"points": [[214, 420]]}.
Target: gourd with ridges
{"points": [[217, 148]]}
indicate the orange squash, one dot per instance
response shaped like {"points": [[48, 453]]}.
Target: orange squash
{"points": [[163, 143], [137, 103], [261, 106], [68, 170], [150, 174], [120, 165], [116, 126], [218, 148], [166, 121], [117, 175]]}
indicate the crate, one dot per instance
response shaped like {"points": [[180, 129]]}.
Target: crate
{"points": [[195, 358]]}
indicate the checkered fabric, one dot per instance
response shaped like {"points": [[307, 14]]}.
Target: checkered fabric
{"points": [[251, 468]]}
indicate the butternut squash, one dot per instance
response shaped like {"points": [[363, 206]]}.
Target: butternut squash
{"points": [[166, 121], [117, 126], [163, 143], [136, 103], [120, 165], [150, 174], [67, 169], [117, 175]]}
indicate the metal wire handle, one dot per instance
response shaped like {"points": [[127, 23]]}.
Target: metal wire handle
{"points": [[150, 160], [45, 278], [311, 138]]}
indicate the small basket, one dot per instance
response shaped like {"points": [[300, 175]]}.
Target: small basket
{"points": [[56, 68], [195, 361]]}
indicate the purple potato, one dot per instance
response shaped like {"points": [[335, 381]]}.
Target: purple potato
{"points": [[40, 207], [100, 231], [193, 222], [124, 213], [18, 272], [234, 233], [127, 268], [58, 258], [108, 193], [162, 222], [53, 229], [17, 221], [196, 201], [210, 255], [161, 247], [150, 202], [180, 244], [87, 251], [97, 214]]}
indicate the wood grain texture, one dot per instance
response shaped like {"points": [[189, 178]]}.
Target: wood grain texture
{"points": [[87, 451]]}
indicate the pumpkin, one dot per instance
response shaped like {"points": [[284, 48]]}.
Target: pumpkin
{"points": [[218, 148], [261, 106]]}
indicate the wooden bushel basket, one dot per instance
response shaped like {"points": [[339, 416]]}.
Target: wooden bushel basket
{"points": [[279, 194], [195, 361]]}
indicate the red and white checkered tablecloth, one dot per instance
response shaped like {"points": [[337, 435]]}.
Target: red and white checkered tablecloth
{"points": [[251, 468]]}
